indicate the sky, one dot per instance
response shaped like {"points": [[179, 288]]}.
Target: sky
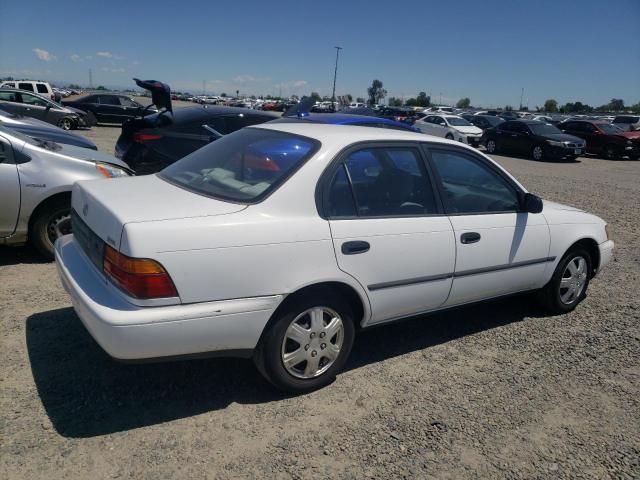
{"points": [[489, 50]]}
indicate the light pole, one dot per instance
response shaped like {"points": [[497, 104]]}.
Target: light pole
{"points": [[335, 74]]}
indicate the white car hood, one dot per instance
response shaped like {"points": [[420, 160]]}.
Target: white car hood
{"points": [[106, 206], [470, 129], [553, 206]]}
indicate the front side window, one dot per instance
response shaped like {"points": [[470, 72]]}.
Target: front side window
{"points": [[127, 102], [469, 186], [243, 166], [389, 181], [108, 100]]}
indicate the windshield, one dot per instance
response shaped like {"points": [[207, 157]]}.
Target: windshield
{"points": [[244, 166], [20, 136], [544, 129], [458, 122]]}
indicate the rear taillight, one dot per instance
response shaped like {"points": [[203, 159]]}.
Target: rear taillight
{"points": [[139, 277], [145, 137]]}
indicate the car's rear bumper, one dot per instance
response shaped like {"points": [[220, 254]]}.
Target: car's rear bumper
{"points": [[606, 254], [129, 332]]}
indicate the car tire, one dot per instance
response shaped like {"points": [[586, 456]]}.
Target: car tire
{"points": [[538, 153], [295, 320], [611, 152], [65, 123], [492, 146], [569, 283], [50, 221]]}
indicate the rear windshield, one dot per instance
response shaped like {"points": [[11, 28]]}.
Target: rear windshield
{"points": [[610, 129], [244, 166]]}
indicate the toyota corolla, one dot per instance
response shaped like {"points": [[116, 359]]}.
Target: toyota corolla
{"points": [[281, 242]]}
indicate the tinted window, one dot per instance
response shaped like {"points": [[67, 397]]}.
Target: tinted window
{"points": [[33, 100], [340, 202], [507, 127], [390, 182], [108, 100], [8, 97], [25, 86], [42, 88], [243, 166], [470, 186], [544, 129]]}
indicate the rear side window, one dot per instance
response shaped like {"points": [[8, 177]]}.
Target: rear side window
{"points": [[25, 86], [108, 100], [384, 181], [42, 88], [470, 187], [244, 166], [8, 97]]}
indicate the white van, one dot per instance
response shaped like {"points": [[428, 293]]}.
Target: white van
{"points": [[43, 88]]}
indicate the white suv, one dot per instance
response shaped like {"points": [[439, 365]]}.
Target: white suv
{"points": [[42, 88]]}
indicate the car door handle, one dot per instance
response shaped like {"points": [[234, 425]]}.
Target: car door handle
{"points": [[470, 237], [355, 247]]}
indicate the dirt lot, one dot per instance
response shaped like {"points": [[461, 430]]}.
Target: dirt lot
{"points": [[492, 391]]}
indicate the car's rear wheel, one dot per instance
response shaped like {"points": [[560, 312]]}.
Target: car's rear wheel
{"points": [[308, 344], [50, 222], [538, 152], [65, 123], [492, 146], [569, 283]]}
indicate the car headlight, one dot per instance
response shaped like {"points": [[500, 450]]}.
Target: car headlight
{"points": [[556, 144], [629, 142], [111, 171]]}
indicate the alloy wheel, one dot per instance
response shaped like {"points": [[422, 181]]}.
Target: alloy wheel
{"points": [[491, 146], [574, 279], [312, 343], [537, 152]]}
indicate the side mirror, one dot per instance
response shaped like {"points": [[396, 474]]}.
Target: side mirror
{"points": [[531, 203]]}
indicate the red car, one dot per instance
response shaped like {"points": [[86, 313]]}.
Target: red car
{"points": [[604, 138]]}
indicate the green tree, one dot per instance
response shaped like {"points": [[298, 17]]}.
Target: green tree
{"points": [[360, 100], [423, 100], [616, 105], [223, 95], [635, 108], [551, 106], [315, 96], [464, 103], [411, 102], [100, 87], [508, 108], [395, 102], [349, 97], [376, 92]]}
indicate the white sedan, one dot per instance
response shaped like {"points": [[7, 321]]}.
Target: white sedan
{"points": [[281, 242], [451, 127]]}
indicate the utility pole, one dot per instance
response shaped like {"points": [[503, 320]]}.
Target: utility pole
{"points": [[521, 95], [335, 74], [90, 79]]}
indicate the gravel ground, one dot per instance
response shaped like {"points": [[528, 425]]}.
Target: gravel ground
{"points": [[492, 391]]}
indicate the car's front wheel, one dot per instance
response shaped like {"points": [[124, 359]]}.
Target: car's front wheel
{"points": [[569, 283], [65, 123], [537, 153], [611, 152], [492, 146], [307, 344]]}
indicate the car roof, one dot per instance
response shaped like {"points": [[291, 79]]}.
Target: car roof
{"points": [[9, 89]]}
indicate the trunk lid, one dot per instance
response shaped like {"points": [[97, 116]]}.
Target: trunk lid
{"points": [[106, 206]]}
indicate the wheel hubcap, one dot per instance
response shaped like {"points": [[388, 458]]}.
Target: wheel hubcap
{"points": [[312, 342], [574, 279], [58, 226], [491, 146], [537, 153]]}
